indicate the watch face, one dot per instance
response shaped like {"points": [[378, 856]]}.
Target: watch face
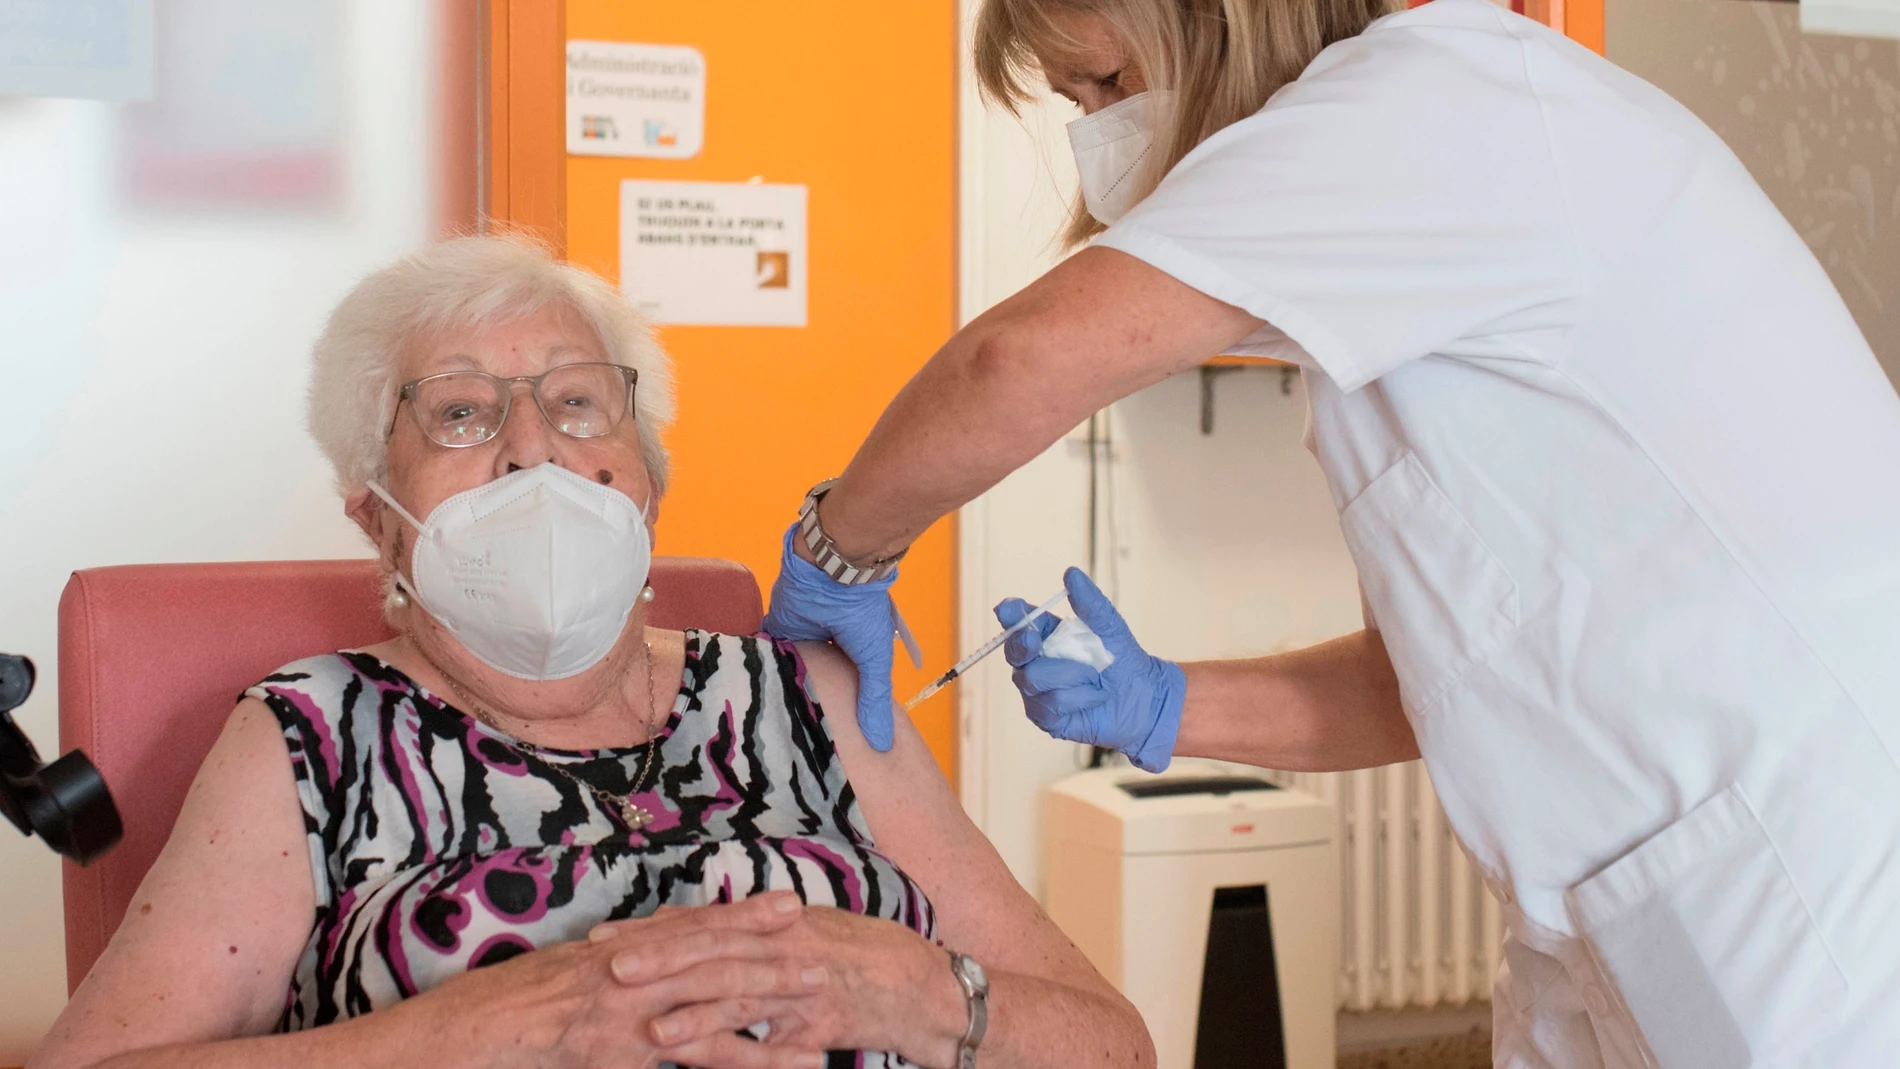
{"points": [[974, 970]]}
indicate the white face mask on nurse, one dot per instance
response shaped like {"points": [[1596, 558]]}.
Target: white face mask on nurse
{"points": [[1116, 133]]}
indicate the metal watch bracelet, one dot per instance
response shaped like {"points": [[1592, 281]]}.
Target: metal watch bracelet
{"points": [[976, 996], [825, 554]]}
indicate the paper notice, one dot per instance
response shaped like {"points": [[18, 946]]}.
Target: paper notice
{"points": [[635, 100], [714, 254]]}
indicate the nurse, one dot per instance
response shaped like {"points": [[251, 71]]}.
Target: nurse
{"points": [[1620, 476]]}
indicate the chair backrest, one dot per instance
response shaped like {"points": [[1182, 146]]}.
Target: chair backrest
{"points": [[153, 657]]}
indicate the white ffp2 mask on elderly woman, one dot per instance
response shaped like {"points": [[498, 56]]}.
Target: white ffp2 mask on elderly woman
{"points": [[1110, 147], [534, 573]]}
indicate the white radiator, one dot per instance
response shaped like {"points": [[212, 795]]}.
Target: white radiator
{"points": [[1418, 928]]}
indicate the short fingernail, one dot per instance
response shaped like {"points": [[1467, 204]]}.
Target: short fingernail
{"points": [[812, 977], [787, 903], [627, 966], [600, 934], [664, 1031], [809, 1061]]}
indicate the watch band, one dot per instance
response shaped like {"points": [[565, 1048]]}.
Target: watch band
{"points": [[826, 555], [976, 995]]}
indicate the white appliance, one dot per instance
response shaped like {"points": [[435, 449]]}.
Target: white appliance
{"points": [[1211, 899]]}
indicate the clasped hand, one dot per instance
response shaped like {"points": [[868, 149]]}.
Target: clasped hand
{"points": [[820, 979]]}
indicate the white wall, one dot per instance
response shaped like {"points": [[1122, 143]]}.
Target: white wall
{"points": [[1226, 545], [154, 368]]}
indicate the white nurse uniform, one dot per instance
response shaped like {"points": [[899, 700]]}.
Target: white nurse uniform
{"points": [[1622, 481]]}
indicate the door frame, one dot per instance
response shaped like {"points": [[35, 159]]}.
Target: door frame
{"points": [[522, 121]]}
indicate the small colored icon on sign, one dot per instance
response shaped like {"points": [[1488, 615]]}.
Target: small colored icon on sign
{"points": [[775, 270], [599, 128], [661, 135]]}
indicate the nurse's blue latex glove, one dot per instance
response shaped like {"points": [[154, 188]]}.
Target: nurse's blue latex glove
{"points": [[1133, 705], [810, 606]]}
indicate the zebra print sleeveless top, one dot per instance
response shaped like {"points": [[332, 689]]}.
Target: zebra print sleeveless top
{"points": [[438, 848]]}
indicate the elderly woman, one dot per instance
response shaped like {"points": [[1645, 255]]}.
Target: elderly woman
{"points": [[409, 854]]}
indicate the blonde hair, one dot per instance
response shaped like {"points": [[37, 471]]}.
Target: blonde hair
{"points": [[478, 283], [1220, 60]]}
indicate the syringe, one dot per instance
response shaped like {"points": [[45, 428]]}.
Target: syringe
{"points": [[982, 651]]}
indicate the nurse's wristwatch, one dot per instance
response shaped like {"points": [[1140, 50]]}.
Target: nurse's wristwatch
{"points": [[826, 555], [976, 995]]}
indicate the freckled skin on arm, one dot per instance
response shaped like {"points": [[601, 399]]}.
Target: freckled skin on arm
{"points": [[1326, 708], [1098, 327], [207, 949], [1048, 1005]]}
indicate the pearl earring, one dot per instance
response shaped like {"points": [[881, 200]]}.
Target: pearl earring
{"points": [[646, 594], [396, 601]]}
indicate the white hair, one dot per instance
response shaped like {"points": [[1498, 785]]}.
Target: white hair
{"points": [[475, 283]]}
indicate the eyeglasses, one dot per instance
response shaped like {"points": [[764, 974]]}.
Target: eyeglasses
{"points": [[459, 409]]}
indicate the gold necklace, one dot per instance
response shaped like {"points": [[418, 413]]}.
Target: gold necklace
{"points": [[636, 816]]}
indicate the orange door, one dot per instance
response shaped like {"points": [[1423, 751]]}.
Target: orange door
{"points": [[1581, 19], [853, 99]]}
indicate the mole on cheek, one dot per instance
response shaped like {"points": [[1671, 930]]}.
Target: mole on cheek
{"points": [[606, 477]]}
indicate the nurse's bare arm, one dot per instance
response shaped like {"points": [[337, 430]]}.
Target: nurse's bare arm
{"points": [[1326, 708], [1048, 1005], [1097, 328], [197, 973]]}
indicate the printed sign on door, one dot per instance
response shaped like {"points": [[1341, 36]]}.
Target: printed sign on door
{"points": [[714, 254], [635, 100]]}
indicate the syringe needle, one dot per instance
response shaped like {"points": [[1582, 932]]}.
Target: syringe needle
{"points": [[982, 651]]}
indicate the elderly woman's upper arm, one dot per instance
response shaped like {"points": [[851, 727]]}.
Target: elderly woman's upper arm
{"points": [[919, 823], [209, 942]]}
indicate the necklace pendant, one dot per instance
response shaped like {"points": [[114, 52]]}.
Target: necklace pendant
{"points": [[636, 816]]}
